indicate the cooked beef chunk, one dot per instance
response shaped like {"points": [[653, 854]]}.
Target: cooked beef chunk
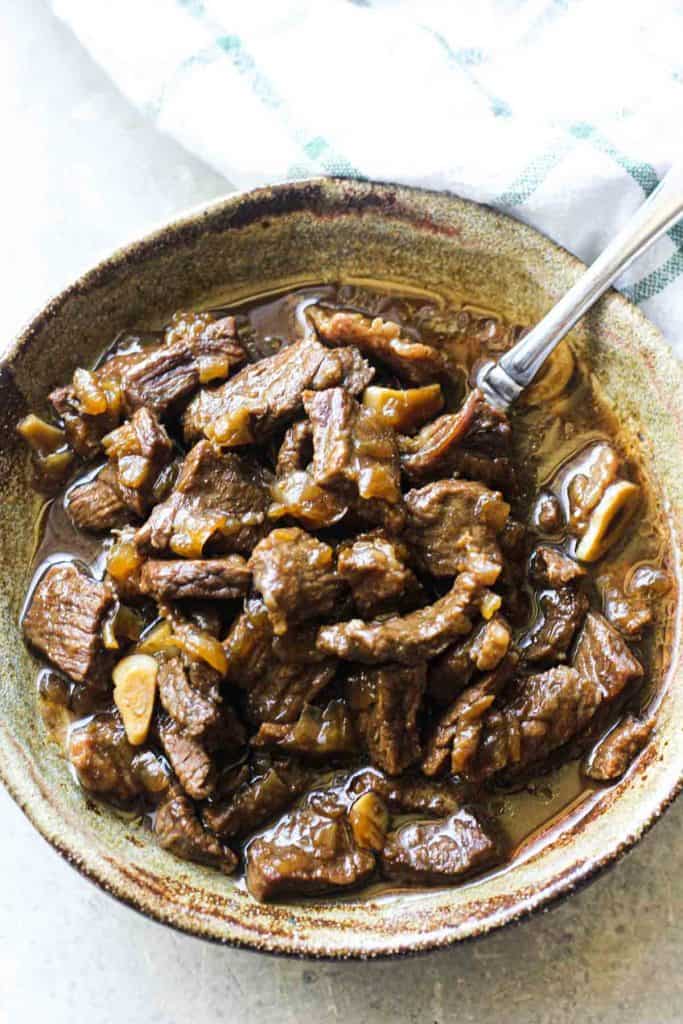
{"points": [[382, 340], [628, 601], [209, 578], [284, 688], [64, 621], [98, 505], [547, 513], [249, 644], [265, 396], [452, 526], [295, 493], [139, 449], [438, 852], [562, 612], [490, 644], [356, 455], [410, 794], [309, 851], [84, 432], [257, 801], [104, 760], [189, 759], [386, 702], [550, 567], [178, 830], [482, 651], [475, 431], [374, 566], [604, 658], [614, 754], [410, 638], [219, 501], [296, 575], [316, 733], [195, 708]]}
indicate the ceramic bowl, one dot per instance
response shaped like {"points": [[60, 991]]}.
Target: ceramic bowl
{"points": [[319, 230]]}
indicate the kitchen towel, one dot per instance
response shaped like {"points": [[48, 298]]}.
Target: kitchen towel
{"points": [[564, 113]]}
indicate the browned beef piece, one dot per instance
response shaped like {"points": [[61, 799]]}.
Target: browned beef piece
{"points": [[283, 690], [550, 567], [374, 567], [209, 578], [356, 455], [195, 708], [64, 621], [382, 340], [463, 442], [189, 759], [139, 449], [408, 639], [265, 396], [310, 850], [410, 794], [614, 754], [257, 801], [317, 733], [219, 501], [483, 651], [603, 657], [249, 644], [296, 576], [83, 432], [98, 505], [562, 612], [295, 492], [452, 525], [104, 759], [178, 830], [386, 702], [628, 598], [438, 852]]}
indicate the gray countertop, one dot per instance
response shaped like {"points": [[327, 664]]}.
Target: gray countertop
{"points": [[81, 173]]}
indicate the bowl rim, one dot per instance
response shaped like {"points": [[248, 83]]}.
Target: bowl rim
{"points": [[30, 798]]}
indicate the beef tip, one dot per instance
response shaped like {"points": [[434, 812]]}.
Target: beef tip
{"points": [[463, 442], [283, 690], [382, 340], [139, 450], [356, 455], [179, 831], [562, 612], [188, 757], [98, 505], [628, 601], [438, 852], [550, 567], [84, 432], [452, 525], [195, 708], [219, 501], [490, 644], [408, 639], [374, 567], [614, 754], [410, 794], [265, 396], [64, 621], [104, 760], [257, 801], [317, 733], [603, 657], [386, 702], [295, 492], [206, 578], [483, 651], [308, 851], [296, 575], [547, 514]]}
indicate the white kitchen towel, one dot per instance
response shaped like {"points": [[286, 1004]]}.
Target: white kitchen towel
{"points": [[564, 113]]}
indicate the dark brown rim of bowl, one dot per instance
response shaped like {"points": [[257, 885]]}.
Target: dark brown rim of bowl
{"points": [[235, 210]]}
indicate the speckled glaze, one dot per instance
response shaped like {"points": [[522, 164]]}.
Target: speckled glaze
{"points": [[320, 230]]}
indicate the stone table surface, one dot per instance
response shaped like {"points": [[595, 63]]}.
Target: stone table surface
{"points": [[81, 173]]}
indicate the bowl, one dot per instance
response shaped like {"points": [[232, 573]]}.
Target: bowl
{"points": [[326, 230]]}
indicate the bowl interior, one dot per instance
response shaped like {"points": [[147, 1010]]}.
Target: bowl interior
{"points": [[328, 230]]}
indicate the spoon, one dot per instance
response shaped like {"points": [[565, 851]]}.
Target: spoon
{"points": [[502, 382]]}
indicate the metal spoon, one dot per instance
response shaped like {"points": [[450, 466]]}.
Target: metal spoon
{"points": [[504, 381]]}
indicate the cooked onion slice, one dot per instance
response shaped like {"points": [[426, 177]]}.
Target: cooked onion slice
{"points": [[404, 410], [608, 520]]}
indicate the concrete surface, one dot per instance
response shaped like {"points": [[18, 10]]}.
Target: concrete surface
{"points": [[80, 173]]}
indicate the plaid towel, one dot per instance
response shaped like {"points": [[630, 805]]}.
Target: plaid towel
{"points": [[565, 115]]}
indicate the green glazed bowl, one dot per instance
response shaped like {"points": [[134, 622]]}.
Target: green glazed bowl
{"points": [[326, 230]]}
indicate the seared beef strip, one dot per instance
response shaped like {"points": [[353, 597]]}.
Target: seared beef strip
{"points": [[356, 455], [309, 851], [189, 759], [296, 576], [139, 449], [604, 658], [295, 492], [438, 852], [219, 500], [374, 566], [106, 763], [316, 733], [614, 754], [380, 339], [483, 650], [196, 709], [64, 621], [550, 567], [178, 830], [410, 794], [257, 801], [98, 505], [209, 578], [562, 612], [266, 396], [283, 690], [386, 702]]}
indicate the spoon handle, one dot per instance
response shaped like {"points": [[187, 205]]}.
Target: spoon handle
{"points": [[503, 382]]}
